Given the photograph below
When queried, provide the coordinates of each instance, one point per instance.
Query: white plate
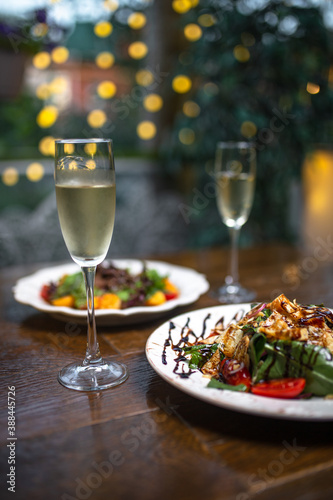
(196, 383)
(190, 283)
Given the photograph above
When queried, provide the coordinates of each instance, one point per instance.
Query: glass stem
(234, 234)
(93, 354)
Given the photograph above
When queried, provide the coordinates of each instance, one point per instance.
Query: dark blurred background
(167, 80)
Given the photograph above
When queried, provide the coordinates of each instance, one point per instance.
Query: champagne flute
(235, 172)
(86, 197)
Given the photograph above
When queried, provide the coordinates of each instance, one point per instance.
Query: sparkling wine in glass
(86, 200)
(235, 173)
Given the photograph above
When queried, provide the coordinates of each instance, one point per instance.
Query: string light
(111, 5)
(41, 60)
(248, 129)
(103, 29)
(40, 30)
(192, 32)
(96, 118)
(10, 176)
(241, 53)
(191, 109)
(104, 60)
(153, 103)
(137, 50)
(47, 146)
(181, 84)
(206, 20)
(106, 89)
(146, 130)
(312, 88)
(181, 6)
(43, 91)
(136, 20)
(58, 85)
(144, 77)
(186, 136)
(69, 148)
(35, 172)
(47, 116)
(90, 148)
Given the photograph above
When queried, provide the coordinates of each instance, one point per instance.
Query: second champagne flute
(235, 172)
(86, 198)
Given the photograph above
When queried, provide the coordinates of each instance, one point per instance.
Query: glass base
(233, 294)
(93, 377)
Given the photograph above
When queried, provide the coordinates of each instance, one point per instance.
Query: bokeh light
(144, 77)
(10, 176)
(181, 6)
(90, 148)
(58, 85)
(241, 53)
(248, 39)
(146, 130)
(106, 89)
(69, 148)
(186, 136)
(72, 165)
(181, 84)
(40, 30)
(192, 32)
(312, 88)
(35, 172)
(41, 60)
(104, 60)
(137, 50)
(153, 103)
(103, 29)
(47, 146)
(111, 5)
(248, 129)
(96, 118)
(206, 20)
(137, 20)
(43, 91)
(47, 116)
(210, 88)
(60, 55)
(91, 164)
(191, 109)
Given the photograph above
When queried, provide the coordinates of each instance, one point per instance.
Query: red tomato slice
(280, 388)
(45, 292)
(235, 372)
(170, 295)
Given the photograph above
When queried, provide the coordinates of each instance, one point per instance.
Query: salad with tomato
(115, 288)
(279, 349)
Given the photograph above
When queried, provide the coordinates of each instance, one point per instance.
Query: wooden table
(145, 439)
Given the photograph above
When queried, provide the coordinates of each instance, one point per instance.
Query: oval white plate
(196, 384)
(191, 285)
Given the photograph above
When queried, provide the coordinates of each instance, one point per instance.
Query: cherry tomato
(280, 388)
(235, 372)
(170, 295)
(45, 292)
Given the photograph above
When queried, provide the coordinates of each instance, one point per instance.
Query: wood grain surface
(145, 439)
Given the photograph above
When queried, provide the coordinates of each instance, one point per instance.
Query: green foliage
(269, 89)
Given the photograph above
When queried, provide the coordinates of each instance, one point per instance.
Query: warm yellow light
(60, 55)
(248, 39)
(58, 85)
(186, 136)
(181, 6)
(96, 118)
(137, 50)
(191, 109)
(312, 88)
(103, 29)
(153, 103)
(144, 77)
(35, 172)
(206, 20)
(241, 53)
(10, 176)
(46, 146)
(72, 165)
(192, 32)
(137, 20)
(181, 84)
(43, 91)
(91, 164)
(106, 89)
(90, 148)
(40, 29)
(104, 60)
(111, 5)
(47, 116)
(41, 60)
(69, 148)
(146, 130)
(248, 129)
(194, 3)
